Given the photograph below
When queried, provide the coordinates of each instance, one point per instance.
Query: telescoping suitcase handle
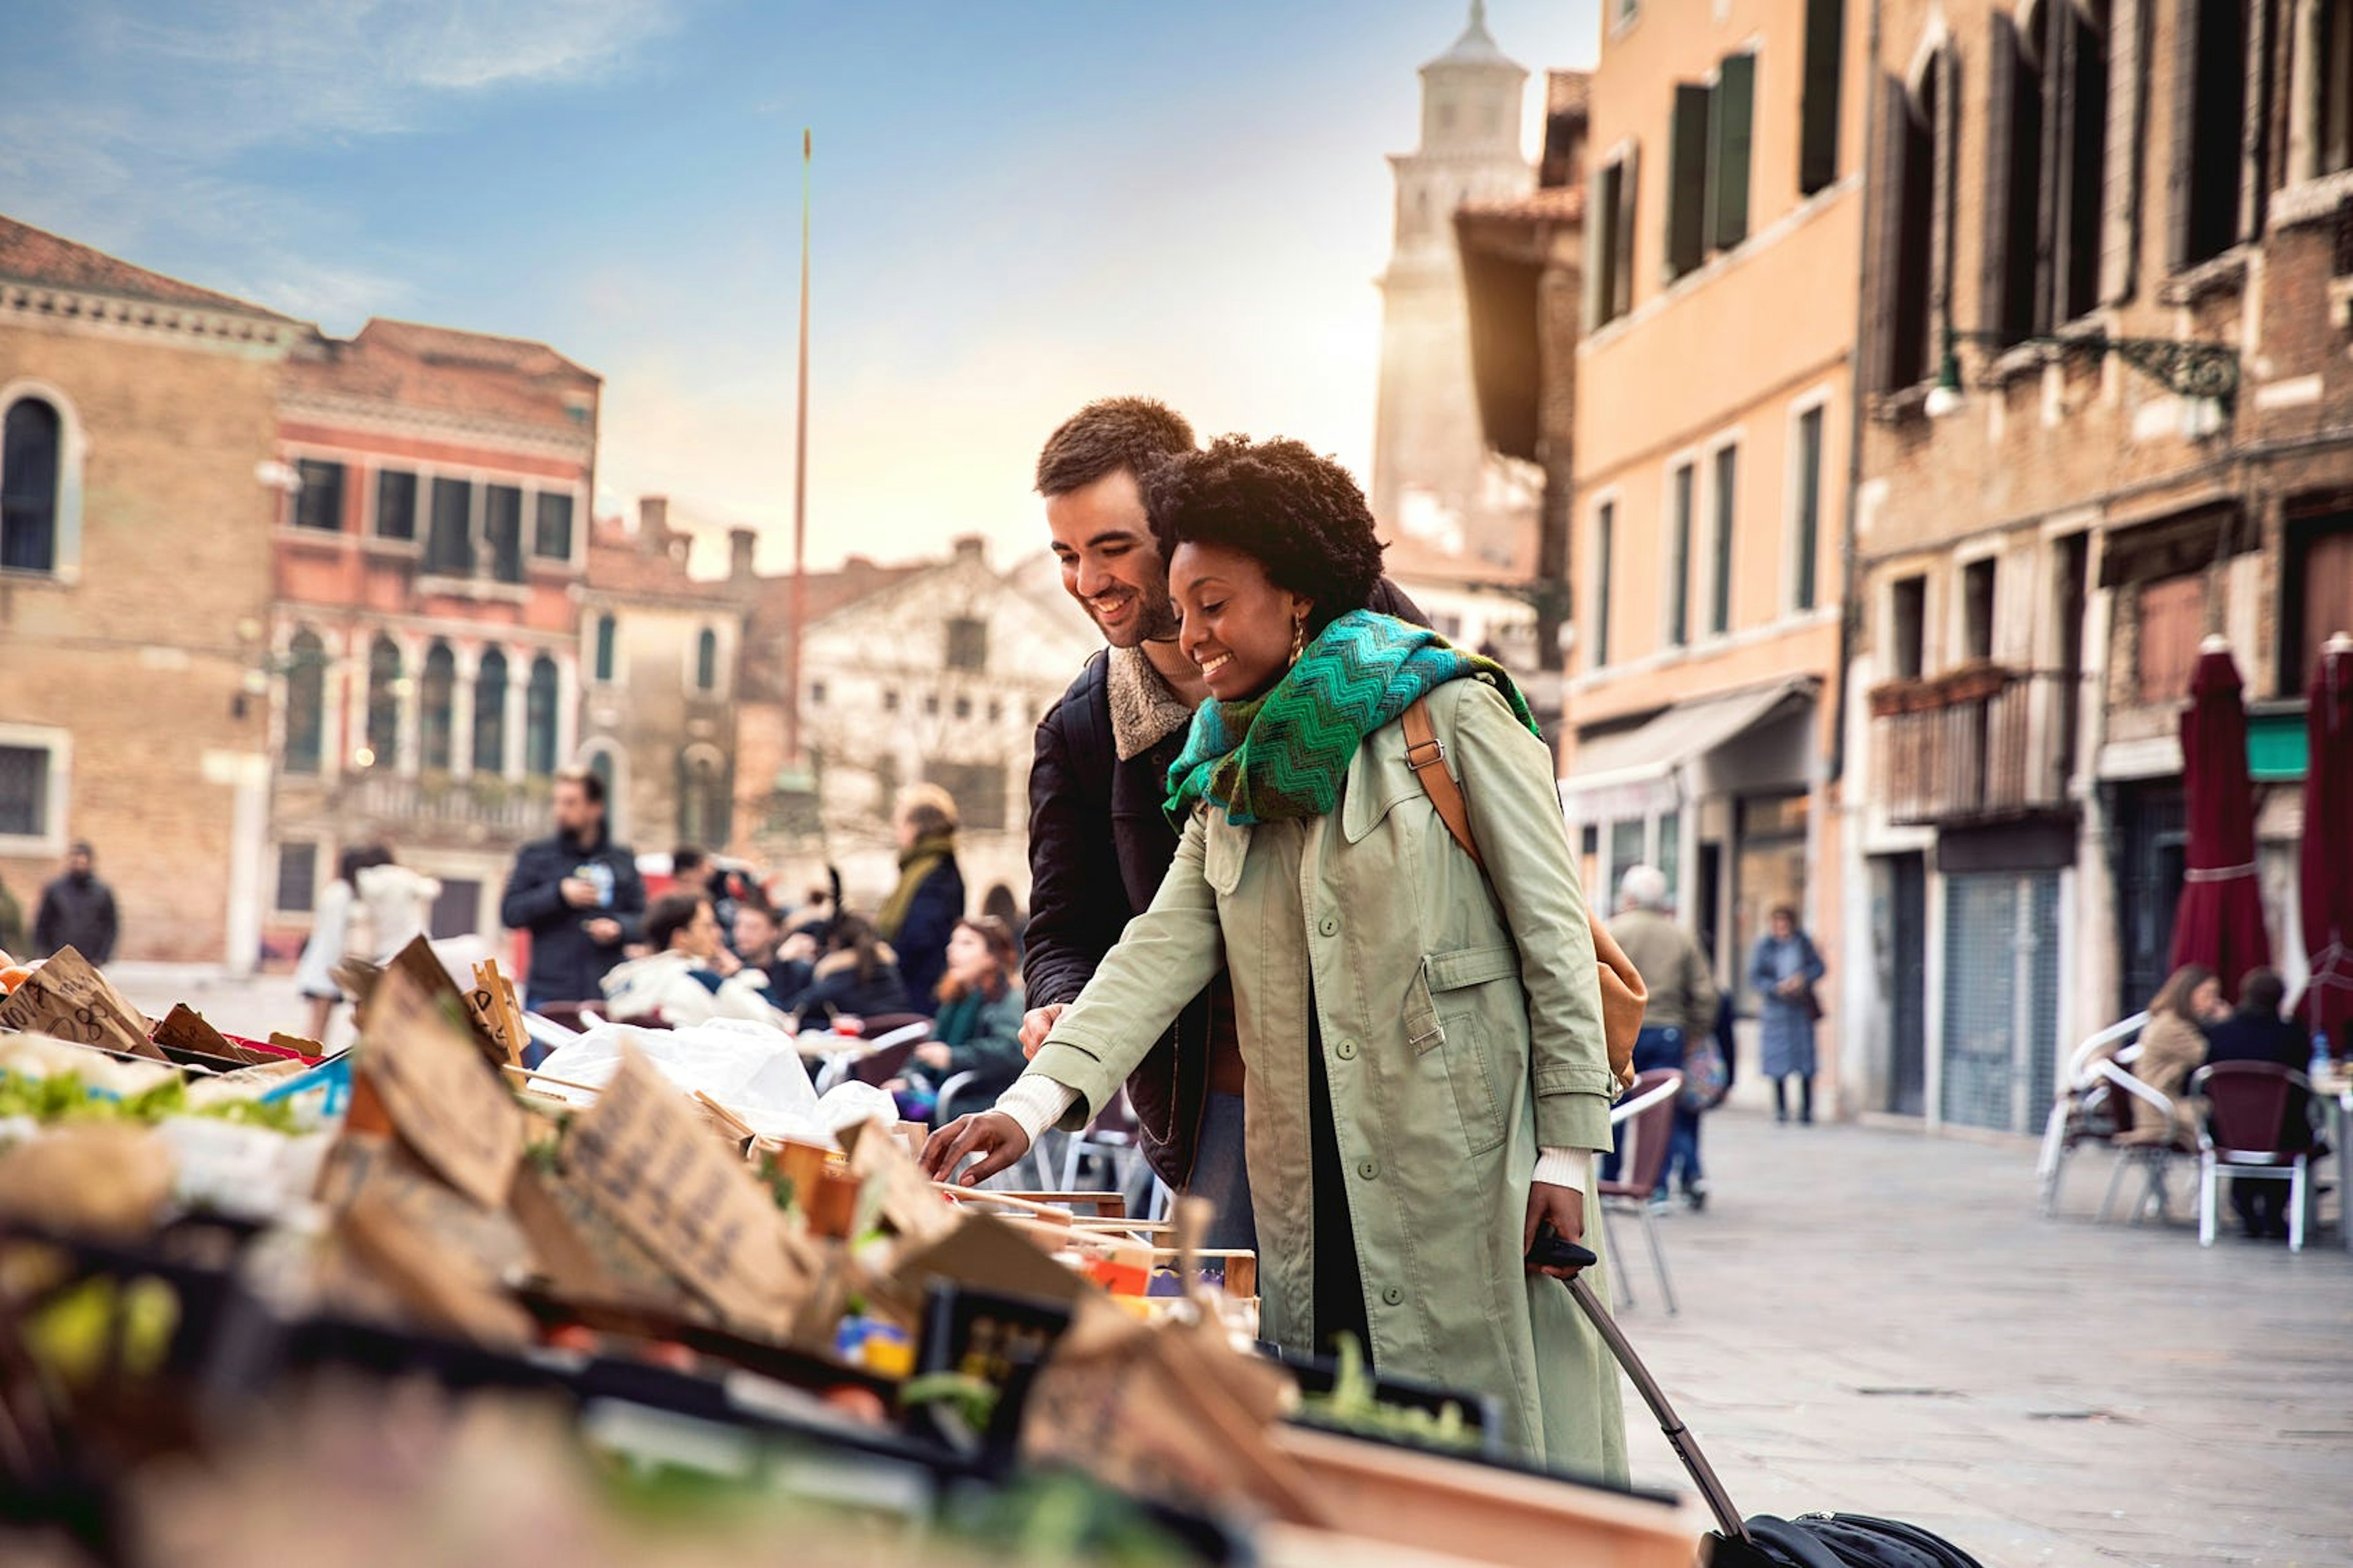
(1702, 1475)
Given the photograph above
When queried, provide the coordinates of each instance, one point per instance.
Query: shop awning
(1650, 753)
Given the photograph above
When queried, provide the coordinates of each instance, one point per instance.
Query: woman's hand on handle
(992, 1140)
(1565, 1208)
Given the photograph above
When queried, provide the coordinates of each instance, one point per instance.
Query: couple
(1419, 1044)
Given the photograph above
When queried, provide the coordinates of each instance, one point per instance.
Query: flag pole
(799, 598)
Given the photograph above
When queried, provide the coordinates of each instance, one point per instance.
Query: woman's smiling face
(1238, 627)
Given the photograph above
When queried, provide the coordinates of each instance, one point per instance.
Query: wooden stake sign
(67, 998)
(424, 970)
(436, 1092)
(645, 1156)
(496, 1012)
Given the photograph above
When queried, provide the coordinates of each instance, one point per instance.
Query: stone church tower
(1428, 460)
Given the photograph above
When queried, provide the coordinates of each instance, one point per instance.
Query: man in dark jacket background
(77, 911)
(578, 894)
(1099, 841)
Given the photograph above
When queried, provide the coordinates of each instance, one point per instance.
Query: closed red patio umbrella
(2220, 922)
(2327, 872)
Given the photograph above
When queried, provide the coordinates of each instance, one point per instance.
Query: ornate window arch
(41, 448)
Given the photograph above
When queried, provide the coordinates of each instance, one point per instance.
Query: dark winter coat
(567, 965)
(835, 986)
(76, 913)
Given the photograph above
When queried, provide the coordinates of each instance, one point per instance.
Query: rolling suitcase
(1812, 1541)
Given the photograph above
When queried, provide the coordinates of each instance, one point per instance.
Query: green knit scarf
(1283, 754)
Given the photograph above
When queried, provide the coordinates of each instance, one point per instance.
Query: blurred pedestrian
(858, 978)
(77, 911)
(1679, 1016)
(372, 909)
(1783, 971)
(12, 925)
(2173, 1045)
(578, 894)
(923, 908)
(689, 977)
(759, 939)
(815, 913)
(978, 1028)
(2255, 1032)
(999, 905)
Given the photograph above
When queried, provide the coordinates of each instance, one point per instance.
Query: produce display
(652, 1299)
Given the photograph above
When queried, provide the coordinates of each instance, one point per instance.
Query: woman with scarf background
(922, 911)
(1427, 1078)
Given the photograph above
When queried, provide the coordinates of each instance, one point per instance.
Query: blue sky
(1020, 206)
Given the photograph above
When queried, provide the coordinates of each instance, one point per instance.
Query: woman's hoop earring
(1298, 639)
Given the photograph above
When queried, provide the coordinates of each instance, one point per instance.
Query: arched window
(31, 462)
(706, 661)
(600, 763)
(703, 817)
(382, 705)
(539, 718)
(436, 700)
(606, 631)
(306, 704)
(491, 714)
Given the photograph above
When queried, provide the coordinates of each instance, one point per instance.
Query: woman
(2172, 1047)
(689, 977)
(858, 976)
(1423, 1046)
(1783, 971)
(929, 900)
(978, 1027)
(1000, 904)
(374, 903)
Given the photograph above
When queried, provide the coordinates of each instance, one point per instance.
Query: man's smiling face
(1110, 564)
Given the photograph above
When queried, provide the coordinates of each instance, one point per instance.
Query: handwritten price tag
(644, 1158)
(68, 999)
(431, 1080)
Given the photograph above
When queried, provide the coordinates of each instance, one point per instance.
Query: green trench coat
(1461, 1028)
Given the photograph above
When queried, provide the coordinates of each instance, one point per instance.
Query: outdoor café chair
(2247, 1111)
(1648, 1114)
(2153, 1159)
(2088, 1112)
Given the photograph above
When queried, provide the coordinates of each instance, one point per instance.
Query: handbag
(1809, 1003)
(1706, 1076)
(1623, 993)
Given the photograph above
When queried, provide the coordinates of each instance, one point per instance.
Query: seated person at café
(858, 978)
(2173, 1046)
(978, 1027)
(689, 977)
(2256, 1033)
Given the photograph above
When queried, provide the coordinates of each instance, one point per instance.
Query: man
(2256, 1032)
(1681, 1009)
(689, 977)
(1099, 842)
(760, 943)
(77, 911)
(578, 894)
(694, 871)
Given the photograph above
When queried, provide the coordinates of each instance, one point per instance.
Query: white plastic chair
(2153, 1160)
(2254, 1159)
(1632, 1162)
(2066, 1127)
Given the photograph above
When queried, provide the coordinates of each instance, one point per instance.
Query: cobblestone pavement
(1876, 1321)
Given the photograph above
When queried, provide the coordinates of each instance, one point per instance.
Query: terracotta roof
(619, 562)
(450, 371)
(35, 256)
(1566, 90)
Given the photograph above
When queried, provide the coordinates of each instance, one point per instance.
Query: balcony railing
(495, 806)
(1983, 744)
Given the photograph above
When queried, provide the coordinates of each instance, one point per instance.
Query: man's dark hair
(82, 847)
(1297, 514)
(1137, 434)
(592, 785)
(687, 857)
(672, 913)
(2261, 993)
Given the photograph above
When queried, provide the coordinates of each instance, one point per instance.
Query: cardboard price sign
(431, 1080)
(644, 1157)
(68, 999)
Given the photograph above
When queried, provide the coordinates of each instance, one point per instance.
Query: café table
(2335, 1093)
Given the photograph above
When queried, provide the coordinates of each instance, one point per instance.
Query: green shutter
(1736, 107)
(1687, 181)
(1818, 115)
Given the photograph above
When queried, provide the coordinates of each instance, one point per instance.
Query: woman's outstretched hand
(1564, 1208)
(994, 1137)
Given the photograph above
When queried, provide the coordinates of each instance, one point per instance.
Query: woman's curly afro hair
(1298, 515)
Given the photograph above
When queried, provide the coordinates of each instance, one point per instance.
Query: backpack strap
(1425, 753)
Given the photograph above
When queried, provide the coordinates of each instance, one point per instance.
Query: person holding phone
(578, 894)
(1422, 1039)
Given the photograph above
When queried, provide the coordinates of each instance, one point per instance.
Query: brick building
(426, 570)
(134, 590)
(1714, 416)
(2038, 565)
(660, 654)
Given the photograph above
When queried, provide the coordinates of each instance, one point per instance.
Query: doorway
(1900, 939)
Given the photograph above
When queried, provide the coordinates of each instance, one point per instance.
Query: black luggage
(1810, 1540)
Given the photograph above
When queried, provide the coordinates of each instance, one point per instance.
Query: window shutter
(1621, 265)
(2182, 170)
(2002, 127)
(2120, 198)
(1817, 116)
(1727, 186)
(1887, 211)
(1600, 207)
(1946, 222)
(1687, 158)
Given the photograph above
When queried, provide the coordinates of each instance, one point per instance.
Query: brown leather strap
(1426, 755)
